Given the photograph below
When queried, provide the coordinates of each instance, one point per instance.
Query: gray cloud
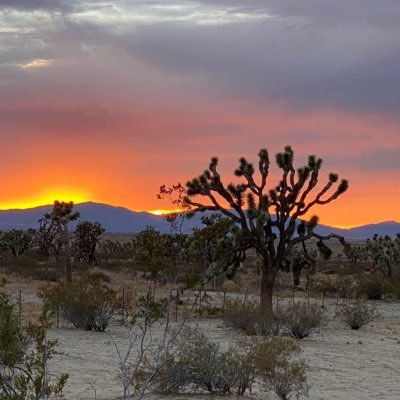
(307, 54)
(53, 5)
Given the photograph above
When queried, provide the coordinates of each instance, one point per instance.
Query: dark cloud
(305, 54)
(53, 5)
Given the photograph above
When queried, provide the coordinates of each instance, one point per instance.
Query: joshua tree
(86, 239)
(270, 221)
(215, 247)
(17, 241)
(354, 253)
(62, 215)
(47, 238)
(384, 252)
(301, 259)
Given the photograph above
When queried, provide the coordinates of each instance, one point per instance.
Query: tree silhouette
(86, 239)
(270, 221)
(62, 215)
(47, 237)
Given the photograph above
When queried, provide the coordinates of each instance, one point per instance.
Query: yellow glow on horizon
(47, 197)
(163, 212)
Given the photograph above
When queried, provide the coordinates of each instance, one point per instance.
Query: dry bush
(86, 302)
(276, 361)
(358, 314)
(300, 320)
(199, 363)
(373, 288)
(248, 317)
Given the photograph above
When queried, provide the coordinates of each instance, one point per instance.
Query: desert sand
(343, 364)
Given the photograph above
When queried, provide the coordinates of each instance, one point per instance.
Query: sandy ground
(343, 364)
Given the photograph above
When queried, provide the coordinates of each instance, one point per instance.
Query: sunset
(109, 101)
(199, 198)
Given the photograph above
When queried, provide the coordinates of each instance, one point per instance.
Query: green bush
(86, 302)
(24, 356)
(358, 314)
(300, 320)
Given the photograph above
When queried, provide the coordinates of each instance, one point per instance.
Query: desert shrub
(86, 302)
(24, 356)
(13, 344)
(372, 288)
(200, 364)
(101, 276)
(249, 318)
(29, 266)
(392, 286)
(276, 362)
(358, 314)
(300, 320)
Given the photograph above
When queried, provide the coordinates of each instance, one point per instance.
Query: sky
(108, 100)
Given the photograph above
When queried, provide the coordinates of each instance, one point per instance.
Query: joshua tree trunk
(64, 233)
(266, 292)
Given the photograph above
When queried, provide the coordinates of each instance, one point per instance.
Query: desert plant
(373, 288)
(261, 211)
(86, 238)
(144, 356)
(24, 356)
(17, 241)
(200, 363)
(86, 302)
(358, 314)
(300, 320)
(47, 237)
(276, 361)
(61, 215)
(249, 318)
(384, 252)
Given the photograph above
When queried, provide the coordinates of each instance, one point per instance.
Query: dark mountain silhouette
(122, 220)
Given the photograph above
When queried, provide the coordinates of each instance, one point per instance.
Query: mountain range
(122, 220)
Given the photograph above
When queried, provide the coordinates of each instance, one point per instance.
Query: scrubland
(341, 363)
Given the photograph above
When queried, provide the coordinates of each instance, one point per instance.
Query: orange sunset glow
(125, 99)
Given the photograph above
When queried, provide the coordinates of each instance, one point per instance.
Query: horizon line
(160, 213)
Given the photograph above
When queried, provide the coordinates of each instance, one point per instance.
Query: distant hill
(121, 220)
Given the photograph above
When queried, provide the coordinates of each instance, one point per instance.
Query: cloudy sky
(107, 100)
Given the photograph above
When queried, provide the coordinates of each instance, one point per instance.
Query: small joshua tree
(47, 237)
(384, 252)
(268, 219)
(86, 237)
(62, 215)
(17, 241)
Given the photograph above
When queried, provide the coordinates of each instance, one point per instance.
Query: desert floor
(343, 364)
